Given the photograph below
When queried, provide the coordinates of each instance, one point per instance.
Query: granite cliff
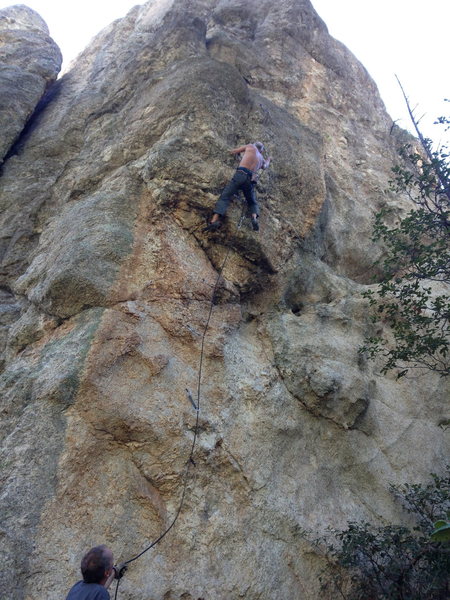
(107, 281)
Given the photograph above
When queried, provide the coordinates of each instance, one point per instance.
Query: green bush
(395, 562)
(417, 253)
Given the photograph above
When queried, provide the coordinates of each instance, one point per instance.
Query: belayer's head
(96, 565)
(259, 145)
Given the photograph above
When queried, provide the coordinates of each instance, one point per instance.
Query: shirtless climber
(98, 572)
(245, 179)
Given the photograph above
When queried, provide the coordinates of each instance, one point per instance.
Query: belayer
(245, 179)
(98, 572)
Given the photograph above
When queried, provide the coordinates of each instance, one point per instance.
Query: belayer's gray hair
(259, 145)
(95, 563)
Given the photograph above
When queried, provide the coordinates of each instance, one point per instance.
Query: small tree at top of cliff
(410, 297)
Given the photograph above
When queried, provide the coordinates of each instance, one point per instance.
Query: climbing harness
(120, 570)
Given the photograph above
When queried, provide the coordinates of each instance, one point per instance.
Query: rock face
(29, 62)
(108, 282)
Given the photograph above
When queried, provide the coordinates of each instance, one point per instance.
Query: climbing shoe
(213, 226)
(255, 224)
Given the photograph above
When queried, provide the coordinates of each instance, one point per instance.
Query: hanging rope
(190, 462)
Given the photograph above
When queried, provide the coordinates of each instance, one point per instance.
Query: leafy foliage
(417, 254)
(394, 562)
(441, 531)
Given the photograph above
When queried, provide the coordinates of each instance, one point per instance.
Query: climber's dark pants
(242, 180)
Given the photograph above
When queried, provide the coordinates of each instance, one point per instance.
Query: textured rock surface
(107, 287)
(29, 62)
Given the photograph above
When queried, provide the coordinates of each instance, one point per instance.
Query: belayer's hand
(119, 571)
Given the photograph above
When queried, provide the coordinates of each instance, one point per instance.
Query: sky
(407, 38)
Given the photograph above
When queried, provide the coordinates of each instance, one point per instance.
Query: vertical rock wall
(30, 61)
(107, 284)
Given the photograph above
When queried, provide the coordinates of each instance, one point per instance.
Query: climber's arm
(266, 163)
(238, 150)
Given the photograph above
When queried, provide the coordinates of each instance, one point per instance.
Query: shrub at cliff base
(394, 562)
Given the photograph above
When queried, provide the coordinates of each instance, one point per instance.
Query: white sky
(404, 37)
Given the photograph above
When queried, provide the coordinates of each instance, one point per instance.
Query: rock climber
(98, 572)
(245, 179)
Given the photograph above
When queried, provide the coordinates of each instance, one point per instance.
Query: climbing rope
(123, 566)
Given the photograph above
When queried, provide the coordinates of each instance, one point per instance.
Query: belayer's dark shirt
(88, 591)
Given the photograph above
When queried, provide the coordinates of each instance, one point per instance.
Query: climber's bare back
(252, 158)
